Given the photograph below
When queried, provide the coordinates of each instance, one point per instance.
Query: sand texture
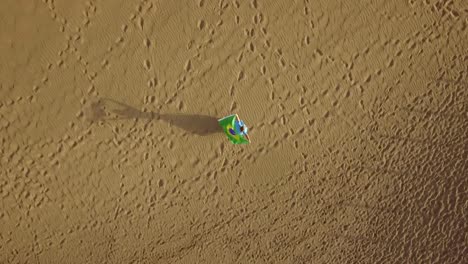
(110, 151)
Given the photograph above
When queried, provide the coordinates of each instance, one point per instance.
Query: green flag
(234, 134)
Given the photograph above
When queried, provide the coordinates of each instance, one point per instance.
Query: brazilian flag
(234, 129)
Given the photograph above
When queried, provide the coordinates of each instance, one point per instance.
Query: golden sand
(110, 150)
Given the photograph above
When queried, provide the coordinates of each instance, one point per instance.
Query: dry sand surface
(111, 152)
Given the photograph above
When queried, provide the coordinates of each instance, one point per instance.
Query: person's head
(241, 128)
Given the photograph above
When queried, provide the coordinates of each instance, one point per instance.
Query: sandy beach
(110, 150)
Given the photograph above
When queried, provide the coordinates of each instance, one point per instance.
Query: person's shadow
(108, 109)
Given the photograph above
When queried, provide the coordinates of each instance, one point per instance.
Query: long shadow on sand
(106, 109)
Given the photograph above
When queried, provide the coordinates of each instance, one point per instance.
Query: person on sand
(235, 129)
(239, 128)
